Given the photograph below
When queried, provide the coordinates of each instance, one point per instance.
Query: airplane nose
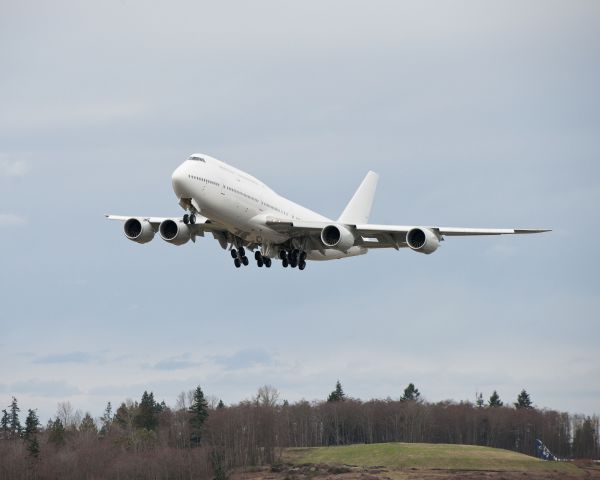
(178, 181)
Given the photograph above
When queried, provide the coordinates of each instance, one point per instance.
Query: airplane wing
(202, 224)
(387, 236)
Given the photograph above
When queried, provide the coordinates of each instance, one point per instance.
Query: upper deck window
(198, 158)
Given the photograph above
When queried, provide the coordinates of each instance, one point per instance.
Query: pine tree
(410, 394)
(146, 416)
(199, 413)
(494, 400)
(32, 424)
(523, 400)
(220, 405)
(14, 424)
(338, 394)
(4, 424)
(88, 424)
(106, 419)
(57, 432)
(479, 400)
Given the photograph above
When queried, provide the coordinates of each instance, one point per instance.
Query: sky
(480, 114)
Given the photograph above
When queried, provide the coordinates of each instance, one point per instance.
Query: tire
(284, 262)
(245, 261)
(193, 219)
(237, 263)
(233, 253)
(293, 264)
(259, 262)
(242, 252)
(186, 219)
(257, 256)
(282, 254)
(267, 261)
(302, 265)
(302, 256)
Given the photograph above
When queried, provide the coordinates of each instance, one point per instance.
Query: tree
(88, 424)
(523, 400)
(199, 414)
(220, 405)
(32, 424)
(410, 394)
(479, 400)
(267, 396)
(338, 394)
(14, 424)
(57, 431)
(146, 416)
(4, 424)
(494, 400)
(106, 419)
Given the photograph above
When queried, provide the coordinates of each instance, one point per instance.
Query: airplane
(241, 212)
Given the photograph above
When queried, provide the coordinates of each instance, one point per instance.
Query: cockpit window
(198, 158)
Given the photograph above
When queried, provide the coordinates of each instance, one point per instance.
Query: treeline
(203, 438)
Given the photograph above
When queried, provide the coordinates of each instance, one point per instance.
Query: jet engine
(338, 237)
(174, 232)
(422, 240)
(140, 231)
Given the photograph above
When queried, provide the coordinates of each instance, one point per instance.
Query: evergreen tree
(199, 413)
(479, 400)
(147, 412)
(106, 419)
(32, 424)
(14, 424)
(220, 405)
(57, 432)
(494, 400)
(4, 424)
(523, 400)
(88, 424)
(338, 394)
(410, 394)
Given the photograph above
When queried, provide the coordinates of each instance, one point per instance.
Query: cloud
(11, 220)
(180, 362)
(13, 168)
(245, 358)
(69, 357)
(43, 388)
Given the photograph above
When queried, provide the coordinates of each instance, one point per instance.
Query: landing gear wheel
(283, 254)
(293, 263)
(245, 261)
(192, 219)
(259, 262)
(242, 252)
(302, 265)
(284, 262)
(302, 256)
(186, 219)
(237, 263)
(267, 262)
(233, 253)
(257, 256)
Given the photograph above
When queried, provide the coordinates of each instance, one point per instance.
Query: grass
(425, 456)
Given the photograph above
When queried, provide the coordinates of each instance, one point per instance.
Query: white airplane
(242, 212)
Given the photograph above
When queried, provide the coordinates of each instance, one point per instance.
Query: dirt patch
(350, 472)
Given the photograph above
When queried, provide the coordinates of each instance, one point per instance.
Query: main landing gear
(262, 260)
(293, 258)
(239, 257)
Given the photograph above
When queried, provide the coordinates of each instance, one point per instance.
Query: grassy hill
(423, 456)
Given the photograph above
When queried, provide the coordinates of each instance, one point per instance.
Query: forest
(201, 437)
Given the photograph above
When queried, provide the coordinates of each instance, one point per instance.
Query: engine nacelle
(422, 240)
(338, 237)
(140, 231)
(174, 232)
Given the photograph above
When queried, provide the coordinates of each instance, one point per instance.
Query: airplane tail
(359, 207)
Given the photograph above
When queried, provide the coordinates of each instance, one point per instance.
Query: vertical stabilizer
(359, 208)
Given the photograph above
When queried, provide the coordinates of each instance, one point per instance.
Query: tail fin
(359, 207)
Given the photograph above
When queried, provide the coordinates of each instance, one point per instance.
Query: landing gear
(267, 262)
(294, 258)
(233, 253)
(302, 265)
(237, 263)
(261, 259)
(284, 262)
(239, 257)
(192, 219)
(245, 261)
(186, 219)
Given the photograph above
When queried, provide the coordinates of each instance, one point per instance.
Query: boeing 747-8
(241, 213)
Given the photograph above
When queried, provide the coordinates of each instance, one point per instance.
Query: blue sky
(474, 114)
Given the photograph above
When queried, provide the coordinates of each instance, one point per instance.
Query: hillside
(397, 460)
